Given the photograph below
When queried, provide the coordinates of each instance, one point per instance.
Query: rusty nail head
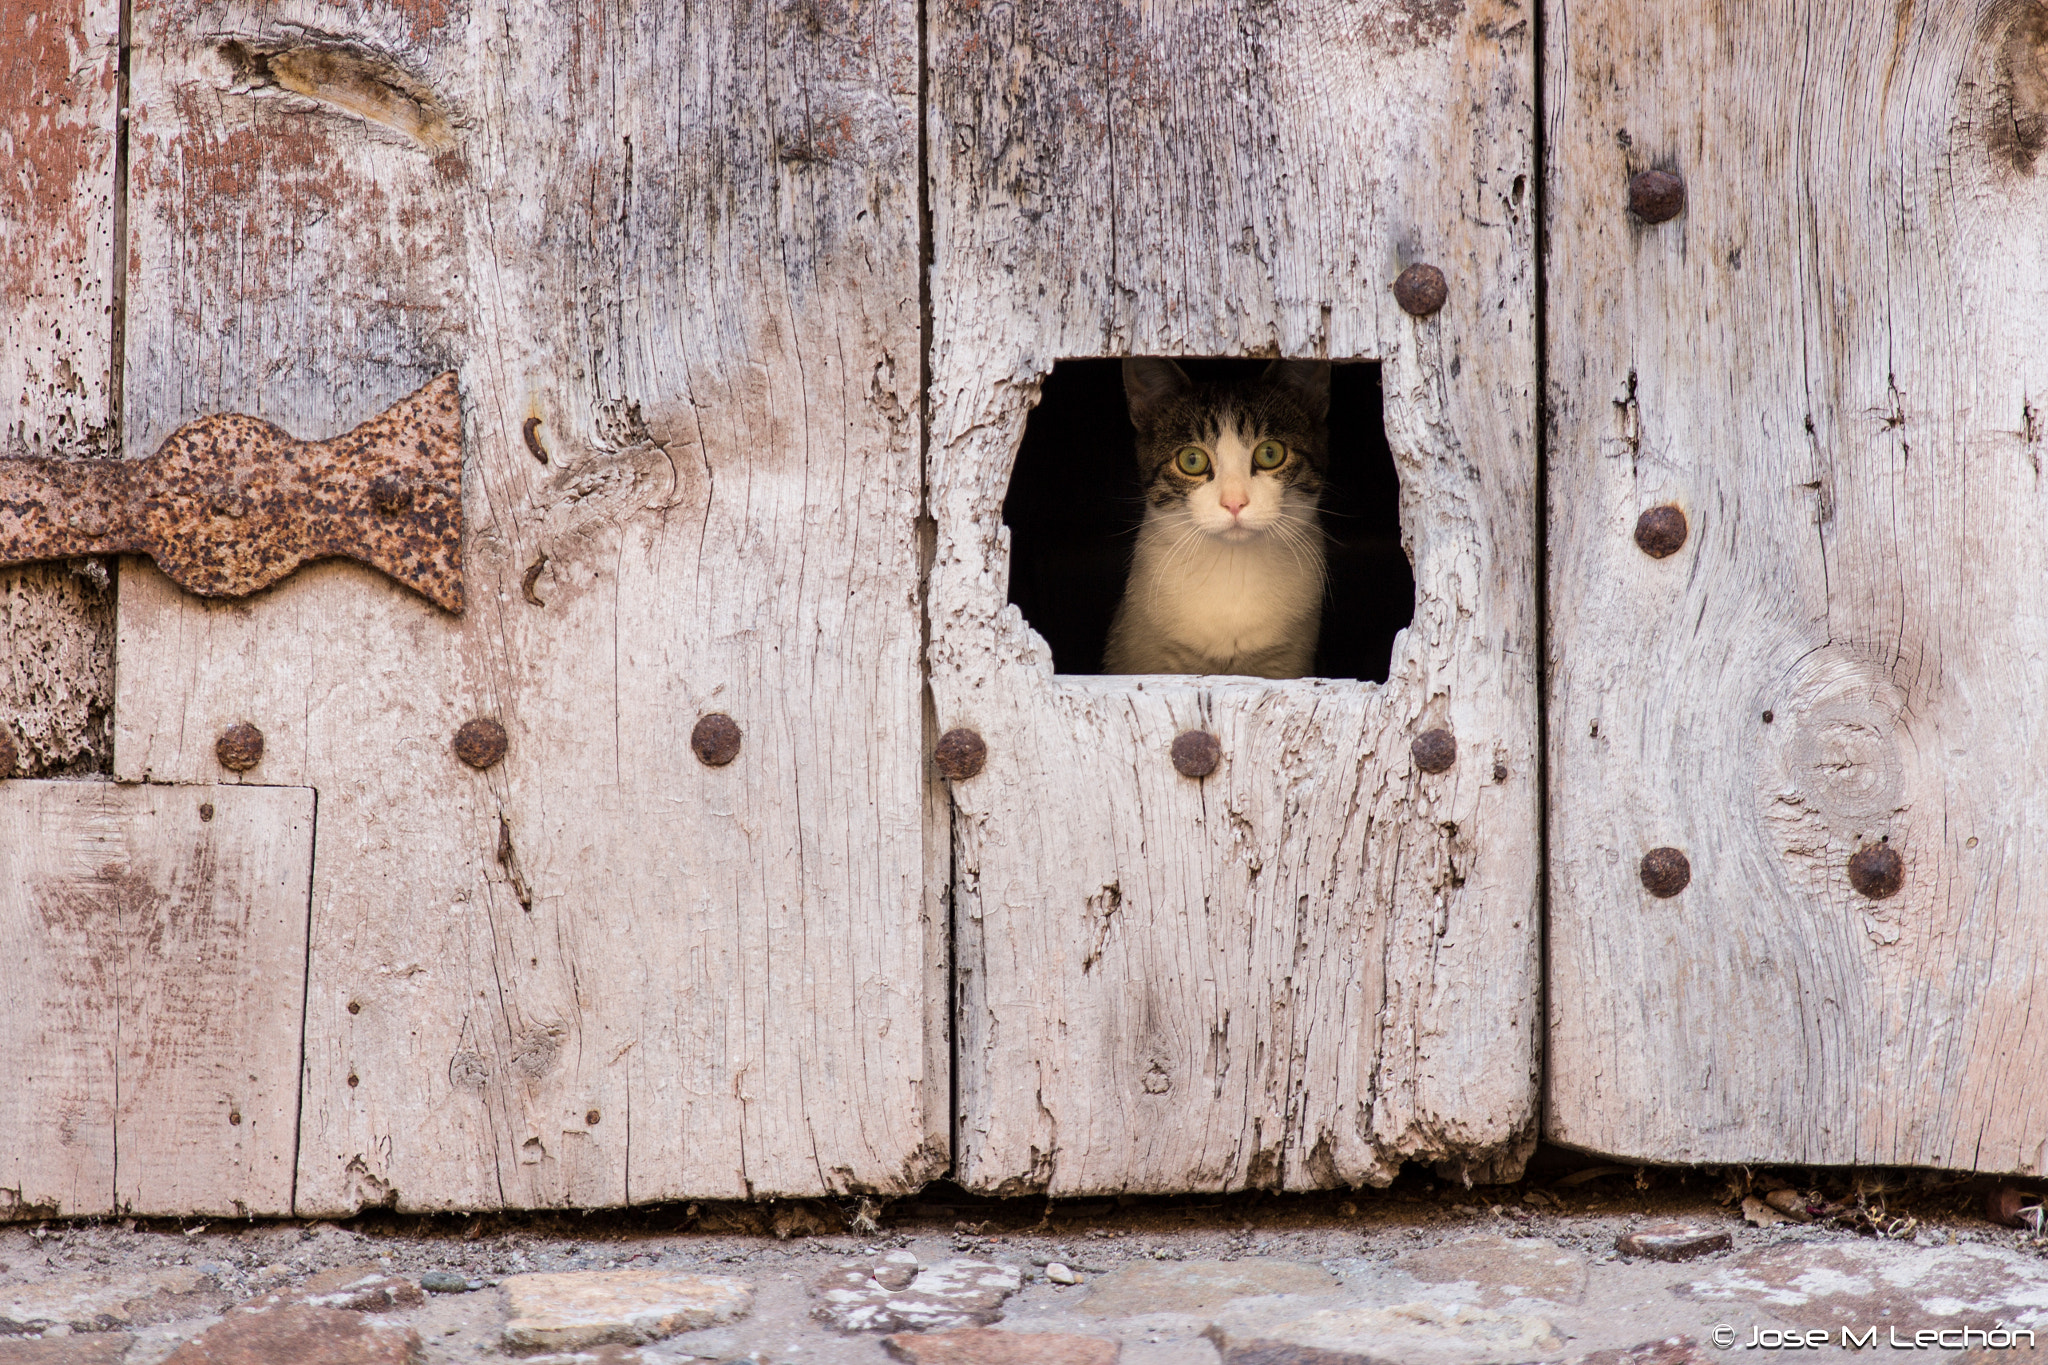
(205, 811)
(1500, 772)
(1666, 872)
(480, 743)
(531, 431)
(1196, 753)
(1877, 871)
(235, 1117)
(240, 747)
(1656, 196)
(390, 494)
(1434, 751)
(592, 1117)
(225, 500)
(10, 757)
(960, 754)
(1661, 532)
(1421, 290)
(715, 740)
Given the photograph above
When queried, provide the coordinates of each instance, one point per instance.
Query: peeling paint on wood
(57, 667)
(1833, 362)
(1317, 962)
(58, 72)
(156, 938)
(58, 75)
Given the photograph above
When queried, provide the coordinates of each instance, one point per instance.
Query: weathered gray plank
(600, 972)
(1320, 962)
(157, 937)
(59, 69)
(1833, 364)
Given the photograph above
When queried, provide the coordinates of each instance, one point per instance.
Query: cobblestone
(1426, 1274)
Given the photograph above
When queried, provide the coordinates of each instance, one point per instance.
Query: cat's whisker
(1229, 571)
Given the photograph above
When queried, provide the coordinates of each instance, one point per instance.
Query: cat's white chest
(1221, 601)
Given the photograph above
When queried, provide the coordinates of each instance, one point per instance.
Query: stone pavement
(1620, 1268)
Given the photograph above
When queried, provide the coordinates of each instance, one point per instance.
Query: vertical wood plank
(59, 73)
(212, 995)
(152, 1036)
(1833, 364)
(1320, 962)
(600, 972)
(59, 70)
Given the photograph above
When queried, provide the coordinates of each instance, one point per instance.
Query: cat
(1229, 569)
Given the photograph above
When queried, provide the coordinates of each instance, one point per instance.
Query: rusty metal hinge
(230, 503)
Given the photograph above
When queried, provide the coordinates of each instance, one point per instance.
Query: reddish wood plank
(59, 67)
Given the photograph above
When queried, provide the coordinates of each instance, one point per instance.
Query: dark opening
(1074, 506)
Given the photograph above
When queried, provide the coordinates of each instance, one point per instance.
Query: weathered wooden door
(1828, 699)
(1320, 960)
(598, 970)
(1792, 731)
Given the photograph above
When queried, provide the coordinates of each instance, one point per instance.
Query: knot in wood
(715, 739)
(1845, 760)
(1665, 872)
(1877, 871)
(1434, 751)
(480, 743)
(1421, 290)
(1661, 532)
(10, 757)
(960, 754)
(1656, 196)
(390, 494)
(1196, 753)
(240, 747)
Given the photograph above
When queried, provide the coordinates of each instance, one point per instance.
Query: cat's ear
(1307, 380)
(1151, 384)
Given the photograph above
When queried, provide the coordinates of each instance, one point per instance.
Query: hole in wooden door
(1074, 506)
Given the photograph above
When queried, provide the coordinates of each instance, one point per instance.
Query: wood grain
(1833, 363)
(599, 972)
(158, 943)
(1319, 962)
(59, 118)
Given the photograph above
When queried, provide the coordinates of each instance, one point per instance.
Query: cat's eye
(1192, 460)
(1269, 455)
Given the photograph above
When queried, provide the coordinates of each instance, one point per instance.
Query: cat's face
(1240, 462)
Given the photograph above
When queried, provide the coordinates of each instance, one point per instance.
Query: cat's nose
(1234, 500)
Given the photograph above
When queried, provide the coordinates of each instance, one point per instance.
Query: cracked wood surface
(1319, 962)
(673, 254)
(59, 68)
(1833, 363)
(158, 937)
